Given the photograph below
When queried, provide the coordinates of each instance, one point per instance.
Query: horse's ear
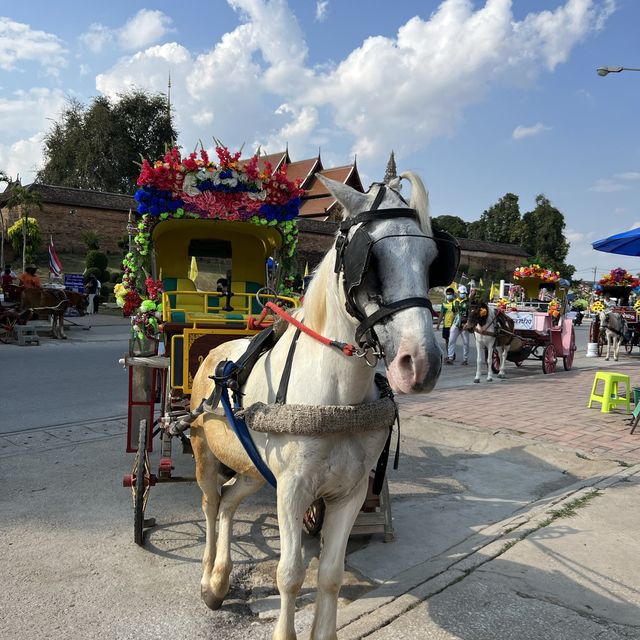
(352, 201)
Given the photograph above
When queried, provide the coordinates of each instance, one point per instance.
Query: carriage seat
(208, 307)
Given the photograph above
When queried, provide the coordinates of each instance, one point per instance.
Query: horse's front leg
(479, 352)
(503, 362)
(233, 493)
(490, 360)
(207, 478)
(293, 501)
(61, 333)
(608, 347)
(616, 347)
(338, 522)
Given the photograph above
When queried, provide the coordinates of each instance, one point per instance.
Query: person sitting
(222, 286)
(29, 279)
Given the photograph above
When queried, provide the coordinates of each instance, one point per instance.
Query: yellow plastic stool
(611, 397)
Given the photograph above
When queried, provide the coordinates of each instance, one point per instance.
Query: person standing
(7, 277)
(461, 312)
(90, 288)
(446, 317)
(96, 298)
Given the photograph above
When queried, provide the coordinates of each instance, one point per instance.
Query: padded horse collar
(353, 256)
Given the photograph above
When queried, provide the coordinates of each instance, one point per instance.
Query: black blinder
(355, 260)
(443, 269)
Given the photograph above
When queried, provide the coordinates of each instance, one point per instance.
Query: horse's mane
(419, 201)
(315, 300)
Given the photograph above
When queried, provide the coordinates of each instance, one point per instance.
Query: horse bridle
(352, 260)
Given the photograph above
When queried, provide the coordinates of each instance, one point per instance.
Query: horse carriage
(629, 316)
(21, 305)
(541, 328)
(312, 415)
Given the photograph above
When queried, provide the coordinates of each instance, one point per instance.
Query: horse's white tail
(419, 200)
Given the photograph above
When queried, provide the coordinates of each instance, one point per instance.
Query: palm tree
(26, 200)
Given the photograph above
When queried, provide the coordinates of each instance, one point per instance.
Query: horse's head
(477, 316)
(387, 258)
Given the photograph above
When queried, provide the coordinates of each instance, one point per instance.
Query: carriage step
(26, 335)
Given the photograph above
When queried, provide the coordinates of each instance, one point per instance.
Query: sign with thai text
(74, 282)
(521, 320)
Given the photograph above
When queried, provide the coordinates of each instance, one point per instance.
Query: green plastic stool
(636, 395)
(610, 397)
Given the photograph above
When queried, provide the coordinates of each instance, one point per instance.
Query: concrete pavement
(485, 544)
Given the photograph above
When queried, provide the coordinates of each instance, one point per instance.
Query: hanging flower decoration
(501, 304)
(554, 308)
(597, 306)
(536, 271)
(196, 187)
(636, 305)
(619, 278)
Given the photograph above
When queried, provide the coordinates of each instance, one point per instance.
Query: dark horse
(53, 302)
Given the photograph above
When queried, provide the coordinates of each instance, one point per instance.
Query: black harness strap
(281, 396)
(389, 309)
(381, 467)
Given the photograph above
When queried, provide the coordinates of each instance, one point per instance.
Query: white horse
(491, 330)
(335, 467)
(614, 327)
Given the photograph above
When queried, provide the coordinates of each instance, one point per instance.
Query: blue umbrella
(625, 244)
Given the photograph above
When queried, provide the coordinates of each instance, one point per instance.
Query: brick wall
(67, 228)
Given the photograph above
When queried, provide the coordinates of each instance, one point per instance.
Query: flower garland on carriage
(619, 278)
(194, 186)
(536, 271)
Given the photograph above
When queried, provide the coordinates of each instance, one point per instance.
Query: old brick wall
(66, 226)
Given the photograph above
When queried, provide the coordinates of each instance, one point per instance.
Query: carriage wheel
(142, 481)
(549, 359)
(567, 361)
(628, 347)
(7, 322)
(495, 361)
(314, 517)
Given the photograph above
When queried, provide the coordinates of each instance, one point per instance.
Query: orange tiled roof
(303, 170)
(317, 207)
(275, 159)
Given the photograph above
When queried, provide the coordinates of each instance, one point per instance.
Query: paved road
(67, 522)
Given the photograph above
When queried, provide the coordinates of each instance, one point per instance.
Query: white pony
(491, 330)
(334, 466)
(614, 327)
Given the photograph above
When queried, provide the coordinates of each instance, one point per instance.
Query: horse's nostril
(406, 362)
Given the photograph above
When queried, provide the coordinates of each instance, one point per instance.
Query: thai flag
(54, 262)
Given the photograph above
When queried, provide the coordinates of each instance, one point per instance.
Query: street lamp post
(604, 71)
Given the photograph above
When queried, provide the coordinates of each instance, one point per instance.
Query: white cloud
(20, 43)
(526, 132)
(97, 38)
(395, 92)
(629, 175)
(22, 157)
(145, 28)
(321, 10)
(606, 185)
(27, 111)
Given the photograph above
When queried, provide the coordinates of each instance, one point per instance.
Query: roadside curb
(407, 590)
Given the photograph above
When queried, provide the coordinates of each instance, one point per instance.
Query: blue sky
(480, 98)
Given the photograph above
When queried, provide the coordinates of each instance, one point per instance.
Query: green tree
(544, 236)
(34, 239)
(456, 226)
(502, 222)
(475, 230)
(99, 146)
(26, 200)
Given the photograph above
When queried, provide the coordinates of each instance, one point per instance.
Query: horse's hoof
(502, 375)
(477, 380)
(210, 599)
(489, 379)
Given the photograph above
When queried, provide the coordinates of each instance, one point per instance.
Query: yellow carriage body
(195, 314)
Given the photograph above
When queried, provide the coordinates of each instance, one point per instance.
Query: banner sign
(74, 282)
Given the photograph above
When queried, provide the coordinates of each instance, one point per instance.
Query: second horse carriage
(542, 330)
